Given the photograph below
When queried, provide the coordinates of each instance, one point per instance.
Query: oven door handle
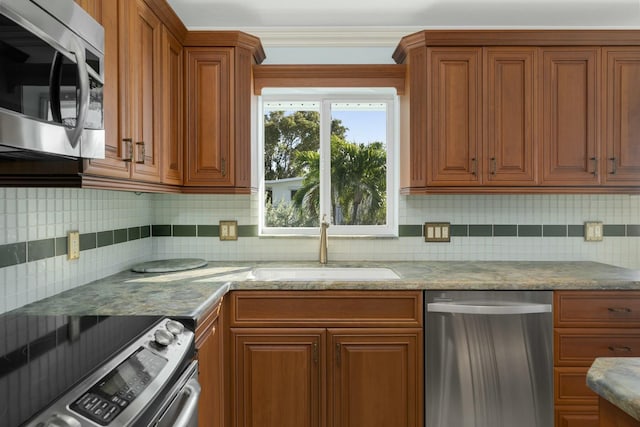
(190, 408)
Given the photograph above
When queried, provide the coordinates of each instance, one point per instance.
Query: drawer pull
(620, 349)
(619, 310)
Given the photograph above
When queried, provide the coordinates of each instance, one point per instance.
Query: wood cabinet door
(172, 108)
(454, 112)
(622, 137)
(570, 97)
(509, 116)
(210, 370)
(278, 377)
(106, 13)
(209, 149)
(143, 79)
(612, 416)
(375, 378)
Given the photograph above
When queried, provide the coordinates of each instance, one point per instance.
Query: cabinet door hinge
(315, 352)
(338, 354)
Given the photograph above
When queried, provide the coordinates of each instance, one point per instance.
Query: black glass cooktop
(43, 356)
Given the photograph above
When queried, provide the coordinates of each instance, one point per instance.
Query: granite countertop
(190, 293)
(617, 379)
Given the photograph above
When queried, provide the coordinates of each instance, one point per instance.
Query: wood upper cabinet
(510, 137)
(481, 116)
(454, 115)
(141, 39)
(570, 111)
(143, 95)
(373, 378)
(520, 111)
(279, 377)
(209, 148)
(219, 91)
(622, 119)
(172, 109)
(107, 13)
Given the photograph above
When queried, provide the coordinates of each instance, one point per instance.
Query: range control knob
(163, 337)
(175, 327)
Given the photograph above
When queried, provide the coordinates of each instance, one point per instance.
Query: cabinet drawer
(577, 416)
(326, 308)
(579, 347)
(620, 309)
(571, 387)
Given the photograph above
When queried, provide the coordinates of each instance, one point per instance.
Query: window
(328, 156)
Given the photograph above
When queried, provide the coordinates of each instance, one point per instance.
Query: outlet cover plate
(73, 245)
(228, 230)
(437, 232)
(593, 231)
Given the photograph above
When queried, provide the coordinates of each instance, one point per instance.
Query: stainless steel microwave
(51, 80)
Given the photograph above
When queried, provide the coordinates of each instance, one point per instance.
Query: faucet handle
(324, 221)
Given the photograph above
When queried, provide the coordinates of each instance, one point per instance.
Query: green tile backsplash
(18, 253)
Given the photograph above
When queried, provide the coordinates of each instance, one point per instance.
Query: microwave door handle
(83, 77)
(190, 408)
(55, 78)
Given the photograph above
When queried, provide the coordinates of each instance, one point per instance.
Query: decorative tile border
(19, 253)
(525, 230)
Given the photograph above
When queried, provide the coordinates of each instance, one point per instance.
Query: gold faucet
(323, 239)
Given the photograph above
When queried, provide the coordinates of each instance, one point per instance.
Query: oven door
(179, 407)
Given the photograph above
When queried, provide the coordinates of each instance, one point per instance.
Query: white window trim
(325, 97)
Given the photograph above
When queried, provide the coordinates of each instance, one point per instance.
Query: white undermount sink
(314, 274)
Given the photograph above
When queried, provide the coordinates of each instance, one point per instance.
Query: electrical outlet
(437, 232)
(593, 231)
(73, 245)
(228, 230)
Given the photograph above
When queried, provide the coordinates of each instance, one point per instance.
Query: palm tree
(358, 182)
(358, 185)
(307, 198)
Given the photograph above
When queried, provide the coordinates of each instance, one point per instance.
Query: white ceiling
(375, 23)
(271, 14)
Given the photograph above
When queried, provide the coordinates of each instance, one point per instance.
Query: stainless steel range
(97, 371)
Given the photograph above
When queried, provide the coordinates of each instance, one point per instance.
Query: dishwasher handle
(499, 308)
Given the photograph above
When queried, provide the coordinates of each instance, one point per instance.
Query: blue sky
(364, 126)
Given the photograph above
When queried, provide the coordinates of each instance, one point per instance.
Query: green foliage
(284, 214)
(285, 134)
(359, 185)
(358, 193)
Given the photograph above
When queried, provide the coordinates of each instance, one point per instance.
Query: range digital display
(116, 390)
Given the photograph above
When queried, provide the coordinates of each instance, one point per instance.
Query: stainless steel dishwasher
(489, 359)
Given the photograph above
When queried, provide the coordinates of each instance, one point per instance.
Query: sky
(364, 126)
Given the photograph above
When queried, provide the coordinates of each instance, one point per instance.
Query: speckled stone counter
(190, 293)
(617, 379)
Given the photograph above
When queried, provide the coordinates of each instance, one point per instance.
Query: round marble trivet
(169, 265)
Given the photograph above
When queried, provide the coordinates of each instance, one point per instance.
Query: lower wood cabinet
(577, 416)
(589, 324)
(612, 416)
(209, 346)
(331, 372)
(373, 377)
(278, 374)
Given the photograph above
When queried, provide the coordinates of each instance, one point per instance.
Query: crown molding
(326, 36)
